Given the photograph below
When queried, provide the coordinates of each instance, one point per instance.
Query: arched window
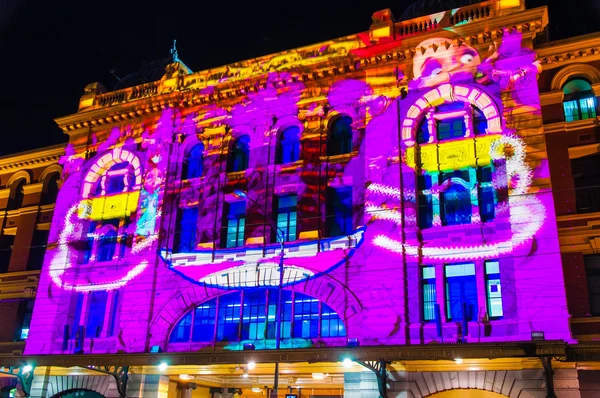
(239, 155)
(192, 165)
(15, 199)
(339, 140)
(257, 320)
(288, 145)
(456, 205)
(50, 189)
(107, 245)
(78, 393)
(579, 100)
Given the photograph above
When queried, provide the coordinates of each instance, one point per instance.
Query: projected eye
(432, 68)
(466, 59)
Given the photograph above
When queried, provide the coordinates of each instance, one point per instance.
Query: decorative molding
(576, 70)
(526, 349)
(37, 158)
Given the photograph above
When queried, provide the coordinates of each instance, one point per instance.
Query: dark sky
(50, 50)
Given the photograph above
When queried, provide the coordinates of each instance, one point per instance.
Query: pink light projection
(438, 176)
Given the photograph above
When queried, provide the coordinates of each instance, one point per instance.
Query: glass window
(288, 145)
(77, 316)
(228, 319)
(586, 178)
(113, 313)
(339, 211)
(339, 140)
(306, 317)
(423, 132)
(107, 245)
(188, 226)
(456, 205)
(493, 289)
(448, 129)
(461, 291)
(429, 293)
(240, 154)
(331, 324)
(181, 332)
(286, 216)
(579, 100)
(480, 124)
(204, 321)
(254, 315)
(96, 312)
(235, 224)
(118, 177)
(259, 313)
(592, 270)
(89, 242)
(193, 167)
(27, 311)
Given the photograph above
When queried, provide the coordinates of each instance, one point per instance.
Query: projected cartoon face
(95, 229)
(438, 64)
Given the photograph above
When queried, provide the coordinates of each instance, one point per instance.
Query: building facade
(29, 182)
(393, 188)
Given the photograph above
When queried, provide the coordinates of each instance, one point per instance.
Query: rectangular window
(6, 246)
(429, 293)
(286, 217)
(228, 322)
(181, 332)
(580, 109)
(77, 316)
(235, 224)
(96, 313)
(448, 129)
(592, 270)
(187, 225)
(38, 249)
(461, 291)
(113, 313)
(586, 178)
(26, 310)
(339, 211)
(253, 317)
(306, 317)
(204, 322)
(493, 289)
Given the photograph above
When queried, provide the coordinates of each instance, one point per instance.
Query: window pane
(456, 205)
(204, 322)
(588, 108)
(289, 145)
(429, 293)
(493, 289)
(339, 212)
(228, 317)
(194, 161)
(451, 128)
(592, 269)
(571, 110)
(461, 291)
(339, 140)
(96, 314)
(188, 227)
(181, 332)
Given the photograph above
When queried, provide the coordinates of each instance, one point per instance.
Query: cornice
(566, 127)
(35, 158)
(576, 49)
(191, 90)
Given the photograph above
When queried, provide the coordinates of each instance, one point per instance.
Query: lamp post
(281, 239)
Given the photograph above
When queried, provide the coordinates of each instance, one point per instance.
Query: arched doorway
(466, 393)
(78, 393)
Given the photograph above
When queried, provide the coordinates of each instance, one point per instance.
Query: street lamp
(281, 238)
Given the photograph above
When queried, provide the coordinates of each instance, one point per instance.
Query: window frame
(462, 286)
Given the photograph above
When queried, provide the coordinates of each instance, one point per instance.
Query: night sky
(50, 50)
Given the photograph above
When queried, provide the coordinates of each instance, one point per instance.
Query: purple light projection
(408, 161)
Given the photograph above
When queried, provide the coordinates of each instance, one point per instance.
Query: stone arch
(19, 175)
(503, 383)
(459, 92)
(57, 385)
(105, 162)
(585, 71)
(55, 168)
(323, 288)
(466, 393)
